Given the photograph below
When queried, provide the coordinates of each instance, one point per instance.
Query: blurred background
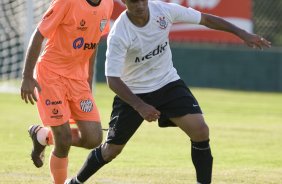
(203, 57)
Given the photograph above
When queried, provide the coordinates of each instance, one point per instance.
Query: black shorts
(173, 100)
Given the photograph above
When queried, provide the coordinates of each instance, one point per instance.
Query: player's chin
(141, 13)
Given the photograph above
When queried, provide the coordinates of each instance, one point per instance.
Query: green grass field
(246, 141)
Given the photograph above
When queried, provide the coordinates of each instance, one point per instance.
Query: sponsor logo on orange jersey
(56, 114)
(49, 102)
(82, 25)
(79, 43)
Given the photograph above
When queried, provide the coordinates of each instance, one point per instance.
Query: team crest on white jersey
(162, 22)
(103, 24)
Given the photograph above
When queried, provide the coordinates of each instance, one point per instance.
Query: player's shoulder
(62, 3)
(108, 5)
(158, 3)
(71, 1)
(108, 2)
(121, 21)
(120, 26)
(161, 7)
(157, 6)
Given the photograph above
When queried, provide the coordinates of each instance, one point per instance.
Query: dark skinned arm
(147, 111)
(218, 23)
(28, 83)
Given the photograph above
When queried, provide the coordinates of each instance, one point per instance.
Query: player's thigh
(123, 124)
(193, 125)
(82, 104)
(90, 130)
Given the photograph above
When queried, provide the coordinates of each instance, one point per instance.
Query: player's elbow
(112, 82)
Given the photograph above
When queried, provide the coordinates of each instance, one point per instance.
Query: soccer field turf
(245, 131)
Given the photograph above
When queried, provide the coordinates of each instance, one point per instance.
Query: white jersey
(141, 56)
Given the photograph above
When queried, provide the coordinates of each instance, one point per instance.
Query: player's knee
(63, 139)
(111, 155)
(92, 141)
(62, 144)
(203, 132)
(111, 152)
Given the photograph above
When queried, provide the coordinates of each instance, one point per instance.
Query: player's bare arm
(28, 82)
(218, 23)
(148, 112)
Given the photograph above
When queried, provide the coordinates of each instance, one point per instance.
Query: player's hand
(148, 112)
(256, 41)
(28, 86)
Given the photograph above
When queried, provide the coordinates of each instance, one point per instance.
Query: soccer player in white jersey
(139, 69)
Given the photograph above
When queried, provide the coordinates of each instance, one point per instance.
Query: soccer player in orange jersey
(61, 85)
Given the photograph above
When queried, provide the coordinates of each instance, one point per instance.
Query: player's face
(137, 8)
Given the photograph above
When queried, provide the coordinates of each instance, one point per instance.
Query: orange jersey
(73, 29)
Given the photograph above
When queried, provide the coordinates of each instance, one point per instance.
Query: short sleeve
(115, 56)
(53, 17)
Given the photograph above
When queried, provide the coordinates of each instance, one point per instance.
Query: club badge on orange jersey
(103, 24)
(86, 105)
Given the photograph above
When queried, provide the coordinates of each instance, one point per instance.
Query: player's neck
(139, 21)
(94, 2)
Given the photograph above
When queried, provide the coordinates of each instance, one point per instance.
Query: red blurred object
(239, 12)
